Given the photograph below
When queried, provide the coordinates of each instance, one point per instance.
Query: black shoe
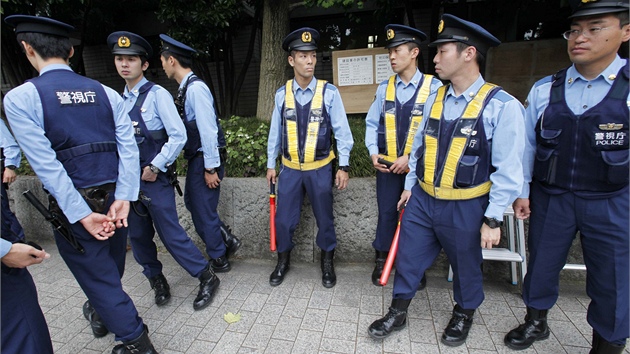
(140, 345)
(98, 327)
(379, 264)
(208, 284)
(394, 320)
(601, 346)
(221, 265)
(535, 328)
(456, 331)
(161, 288)
(329, 279)
(423, 282)
(282, 268)
(232, 243)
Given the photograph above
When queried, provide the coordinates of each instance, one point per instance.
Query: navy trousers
(11, 228)
(202, 203)
(603, 227)
(98, 271)
(429, 225)
(389, 187)
(159, 213)
(292, 185)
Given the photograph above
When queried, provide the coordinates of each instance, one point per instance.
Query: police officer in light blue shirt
(23, 324)
(464, 172)
(161, 135)
(79, 140)
(576, 158)
(306, 112)
(391, 123)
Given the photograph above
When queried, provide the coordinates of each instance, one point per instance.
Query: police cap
(123, 42)
(38, 24)
(174, 46)
(303, 39)
(399, 34)
(454, 29)
(597, 7)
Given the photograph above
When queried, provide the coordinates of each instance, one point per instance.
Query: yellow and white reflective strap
(292, 133)
(390, 118)
(431, 142)
(308, 166)
(312, 129)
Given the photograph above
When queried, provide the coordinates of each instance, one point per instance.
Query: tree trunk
(273, 59)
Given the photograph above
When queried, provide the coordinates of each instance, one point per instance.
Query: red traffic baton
(272, 217)
(389, 263)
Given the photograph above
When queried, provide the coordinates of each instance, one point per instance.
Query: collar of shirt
(135, 91)
(470, 92)
(415, 80)
(54, 67)
(608, 75)
(311, 86)
(185, 79)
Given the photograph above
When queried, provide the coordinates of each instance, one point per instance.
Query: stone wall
(244, 205)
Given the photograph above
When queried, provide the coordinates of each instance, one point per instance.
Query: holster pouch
(97, 196)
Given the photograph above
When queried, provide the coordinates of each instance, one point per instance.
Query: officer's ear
(71, 52)
(145, 65)
(291, 59)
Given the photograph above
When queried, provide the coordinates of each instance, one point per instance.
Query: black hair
(47, 45)
(481, 59)
(184, 61)
(623, 17)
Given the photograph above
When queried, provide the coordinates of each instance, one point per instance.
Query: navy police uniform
(24, 328)
(160, 135)
(464, 168)
(391, 124)
(79, 141)
(576, 158)
(302, 124)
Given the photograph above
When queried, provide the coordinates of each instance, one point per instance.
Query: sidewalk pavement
(300, 315)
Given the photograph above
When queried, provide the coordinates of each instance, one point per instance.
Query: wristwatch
(211, 171)
(344, 168)
(10, 167)
(154, 169)
(492, 222)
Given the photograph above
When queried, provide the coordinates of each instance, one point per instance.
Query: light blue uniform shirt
(5, 247)
(200, 106)
(26, 117)
(159, 112)
(336, 112)
(403, 94)
(12, 154)
(580, 94)
(503, 123)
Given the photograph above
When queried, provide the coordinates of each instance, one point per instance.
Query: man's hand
(521, 208)
(401, 165)
(212, 180)
(148, 175)
(22, 255)
(404, 198)
(118, 213)
(271, 176)
(8, 176)
(100, 226)
(379, 166)
(341, 180)
(490, 237)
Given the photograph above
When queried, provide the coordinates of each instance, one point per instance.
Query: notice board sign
(357, 73)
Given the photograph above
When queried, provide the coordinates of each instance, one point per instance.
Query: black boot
(456, 331)
(232, 243)
(329, 279)
(423, 282)
(282, 268)
(394, 320)
(140, 345)
(601, 346)
(98, 327)
(208, 284)
(535, 328)
(161, 288)
(379, 264)
(221, 264)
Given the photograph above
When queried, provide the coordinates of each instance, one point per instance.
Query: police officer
(391, 124)
(464, 172)
(23, 324)
(79, 141)
(576, 158)
(161, 135)
(205, 144)
(307, 111)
